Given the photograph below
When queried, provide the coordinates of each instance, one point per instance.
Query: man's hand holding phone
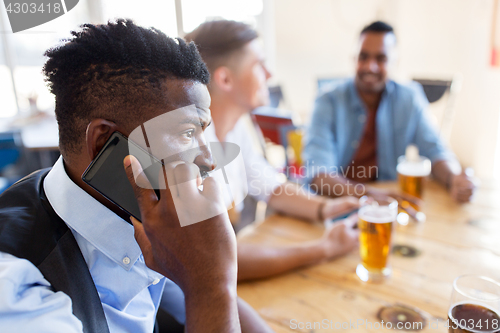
(200, 257)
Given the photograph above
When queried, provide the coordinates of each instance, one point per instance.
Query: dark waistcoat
(30, 229)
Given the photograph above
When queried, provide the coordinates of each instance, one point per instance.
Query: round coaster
(406, 251)
(402, 317)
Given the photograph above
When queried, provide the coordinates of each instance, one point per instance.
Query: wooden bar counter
(455, 240)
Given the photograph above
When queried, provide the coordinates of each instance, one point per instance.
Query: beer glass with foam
(377, 219)
(413, 170)
(475, 305)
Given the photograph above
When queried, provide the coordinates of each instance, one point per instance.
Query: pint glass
(412, 185)
(475, 305)
(377, 219)
(412, 173)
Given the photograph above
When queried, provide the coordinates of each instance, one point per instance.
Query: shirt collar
(88, 217)
(356, 103)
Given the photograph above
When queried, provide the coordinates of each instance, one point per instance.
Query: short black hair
(377, 26)
(114, 71)
(219, 39)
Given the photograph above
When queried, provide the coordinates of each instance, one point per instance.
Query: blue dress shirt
(338, 122)
(130, 292)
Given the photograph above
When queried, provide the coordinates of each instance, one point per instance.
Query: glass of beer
(377, 219)
(413, 170)
(475, 305)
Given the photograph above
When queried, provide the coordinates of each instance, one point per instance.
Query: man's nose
(268, 72)
(205, 160)
(372, 66)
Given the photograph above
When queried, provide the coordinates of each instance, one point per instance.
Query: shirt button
(155, 281)
(362, 118)
(355, 144)
(126, 260)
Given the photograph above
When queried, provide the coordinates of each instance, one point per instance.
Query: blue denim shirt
(338, 122)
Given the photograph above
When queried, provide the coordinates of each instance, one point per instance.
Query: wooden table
(455, 240)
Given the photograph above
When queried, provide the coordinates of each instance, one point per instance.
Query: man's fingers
(351, 220)
(141, 237)
(165, 190)
(349, 203)
(145, 196)
(408, 208)
(211, 188)
(336, 229)
(463, 197)
(353, 202)
(169, 177)
(466, 186)
(411, 199)
(185, 178)
(465, 191)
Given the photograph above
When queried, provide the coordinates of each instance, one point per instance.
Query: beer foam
(376, 214)
(421, 168)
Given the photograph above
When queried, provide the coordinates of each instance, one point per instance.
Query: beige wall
(437, 38)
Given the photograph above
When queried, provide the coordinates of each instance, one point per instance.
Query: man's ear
(98, 132)
(223, 78)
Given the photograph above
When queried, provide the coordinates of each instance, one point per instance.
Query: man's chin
(261, 102)
(375, 87)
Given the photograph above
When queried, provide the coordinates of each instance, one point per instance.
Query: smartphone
(107, 175)
(343, 216)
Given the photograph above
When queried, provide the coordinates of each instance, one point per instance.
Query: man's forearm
(250, 320)
(444, 170)
(258, 261)
(337, 186)
(292, 200)
(212, 310)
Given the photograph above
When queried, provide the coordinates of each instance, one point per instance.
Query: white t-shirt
(255, 175)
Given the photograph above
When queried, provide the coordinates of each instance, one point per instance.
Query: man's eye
(188, 134)
(382, 58)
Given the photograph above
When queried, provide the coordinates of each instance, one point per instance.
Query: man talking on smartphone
(68, 262)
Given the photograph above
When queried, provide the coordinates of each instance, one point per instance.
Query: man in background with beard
(367, 122)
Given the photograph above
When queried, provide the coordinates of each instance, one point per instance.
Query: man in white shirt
(235, 60)
(68, 262)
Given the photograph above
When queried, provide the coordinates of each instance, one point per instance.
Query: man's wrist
(324, 249)
(212, 308)
(317, 251)
(320, 211)
(219, 290)
(216, 283)
(449, 181)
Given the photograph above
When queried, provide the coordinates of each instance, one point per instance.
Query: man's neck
(370, 99)
(225, 115)
(74, 172)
